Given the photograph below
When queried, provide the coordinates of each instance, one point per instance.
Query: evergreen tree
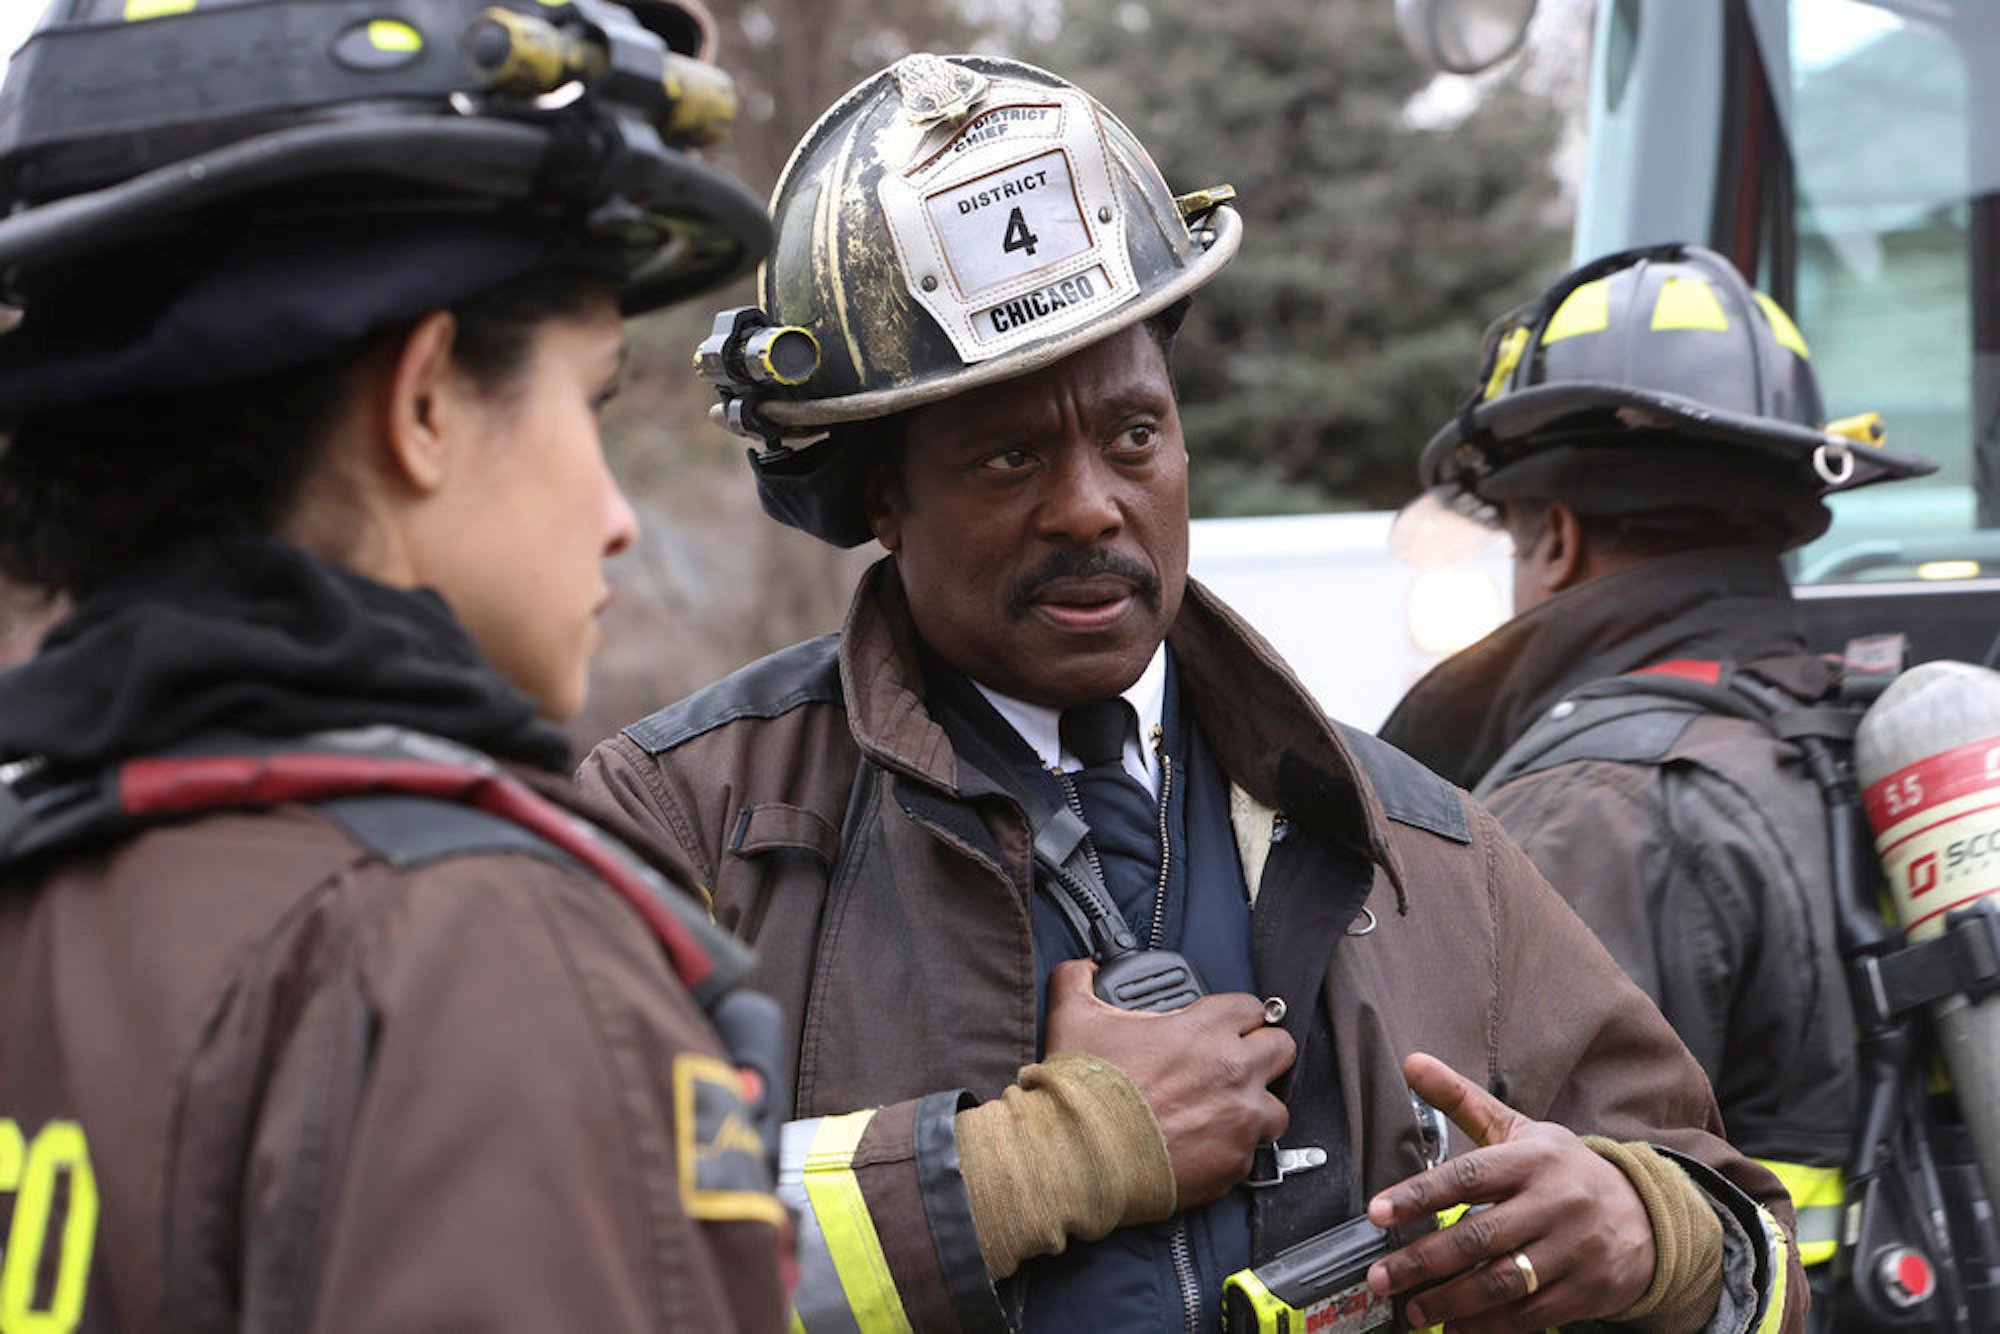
(1317, 365)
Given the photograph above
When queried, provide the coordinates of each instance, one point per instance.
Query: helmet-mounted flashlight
(524, 55)
(745, 353)
(745, 350)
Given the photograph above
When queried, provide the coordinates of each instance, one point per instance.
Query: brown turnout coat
(320, 1090)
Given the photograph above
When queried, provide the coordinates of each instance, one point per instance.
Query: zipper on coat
(1157, 936)
(1181, 1248)
(1157, 929)
(1094, 901)
(1075, 801)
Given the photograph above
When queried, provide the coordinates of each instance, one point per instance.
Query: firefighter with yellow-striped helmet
(951, 222)
(1650, 434)
(1651, 379)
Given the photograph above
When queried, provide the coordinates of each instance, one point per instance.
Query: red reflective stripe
(1933, 781)
(211, 782)
(176, 786)
(1688, 669)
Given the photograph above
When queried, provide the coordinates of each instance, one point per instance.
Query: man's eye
(1140, 437)
(1007, 460)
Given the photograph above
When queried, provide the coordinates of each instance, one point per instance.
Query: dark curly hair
(88, 493)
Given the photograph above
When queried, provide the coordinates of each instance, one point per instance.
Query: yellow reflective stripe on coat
(819, 1301)
(1817, 1195)
(1773, 1319)
(849, 1233)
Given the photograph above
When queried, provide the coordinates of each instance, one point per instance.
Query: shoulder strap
(1615, 720)
(356, 769)
(1637, 717)
(805, 673)
(408, 831)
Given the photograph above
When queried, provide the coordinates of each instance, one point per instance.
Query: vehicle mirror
(1463, 36)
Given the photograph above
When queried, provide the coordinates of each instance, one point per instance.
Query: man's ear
(426, 399)
(883, 501)
(1563, 558)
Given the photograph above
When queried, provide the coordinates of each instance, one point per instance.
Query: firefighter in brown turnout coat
(996, 839)
(322, 1006)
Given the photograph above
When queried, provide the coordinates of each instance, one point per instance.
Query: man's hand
(1575, 1217)
(1204, 1070)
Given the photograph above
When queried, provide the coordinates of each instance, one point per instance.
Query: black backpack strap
(410, 831)
(42, 813)
(1609, 720)
(1638, 717)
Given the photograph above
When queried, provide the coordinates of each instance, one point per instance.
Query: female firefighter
(320, 1008)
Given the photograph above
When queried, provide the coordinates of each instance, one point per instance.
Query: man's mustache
(1086, 564)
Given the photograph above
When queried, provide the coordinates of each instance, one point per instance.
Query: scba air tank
(1928, 757)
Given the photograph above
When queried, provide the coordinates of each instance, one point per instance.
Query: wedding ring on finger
(1527, 1268)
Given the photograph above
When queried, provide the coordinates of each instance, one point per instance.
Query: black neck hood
(252, 635)
(1726, 605)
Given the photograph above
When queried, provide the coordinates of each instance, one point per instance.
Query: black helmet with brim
(278, 212)
(1653, 378)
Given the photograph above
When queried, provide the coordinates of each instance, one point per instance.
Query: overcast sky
(16, 17)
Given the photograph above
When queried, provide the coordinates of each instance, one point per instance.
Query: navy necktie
(1121, 813)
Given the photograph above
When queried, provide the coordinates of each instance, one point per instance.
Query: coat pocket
(773, 845)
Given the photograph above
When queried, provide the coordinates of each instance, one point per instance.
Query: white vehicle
(1845, 155)
(1325, 591)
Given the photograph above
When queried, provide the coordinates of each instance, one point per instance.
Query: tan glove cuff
(1687, 1241)
(1072, 1150)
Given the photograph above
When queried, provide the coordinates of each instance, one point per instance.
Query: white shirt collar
(1041, 727)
